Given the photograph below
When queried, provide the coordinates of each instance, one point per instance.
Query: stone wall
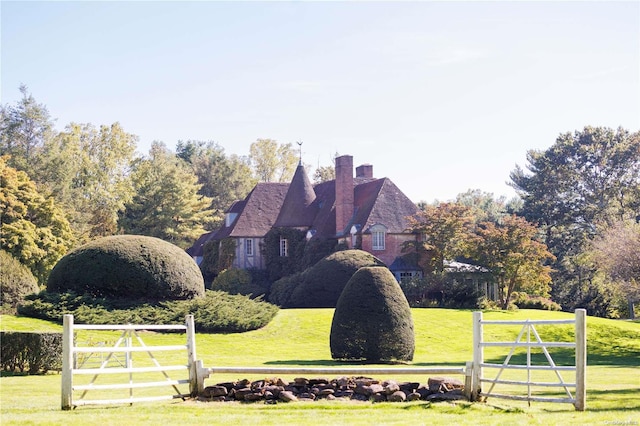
(272, 391)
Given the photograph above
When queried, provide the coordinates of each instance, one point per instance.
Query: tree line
(573, 233)
(61, 189)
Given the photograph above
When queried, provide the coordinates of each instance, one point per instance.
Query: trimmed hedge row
(216, 312)
(31, 352)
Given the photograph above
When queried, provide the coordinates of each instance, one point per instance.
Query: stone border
(274, 390)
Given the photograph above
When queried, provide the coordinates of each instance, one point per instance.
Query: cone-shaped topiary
(129, 267)
(372, 320)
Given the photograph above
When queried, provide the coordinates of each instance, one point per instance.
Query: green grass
(301, 338)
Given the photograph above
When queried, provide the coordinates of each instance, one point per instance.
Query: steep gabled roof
(197, 249)
(380, 201)
(298, 209)
(325, 221)
(258, 211)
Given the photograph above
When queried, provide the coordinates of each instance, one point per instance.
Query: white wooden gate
(532, 340)
(75, 361)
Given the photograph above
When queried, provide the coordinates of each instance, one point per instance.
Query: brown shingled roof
(298, 209)
(380, 201)
(299, 204)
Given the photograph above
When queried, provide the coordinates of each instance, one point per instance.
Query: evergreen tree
(166, 203)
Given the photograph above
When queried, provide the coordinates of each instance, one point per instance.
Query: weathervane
(300, 145)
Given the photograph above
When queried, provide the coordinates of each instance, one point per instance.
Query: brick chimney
(364, 171)
(344, 193)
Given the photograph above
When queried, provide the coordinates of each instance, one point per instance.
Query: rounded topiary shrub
(16, 281)
(129, 267)
(372, 321)
(321, 285)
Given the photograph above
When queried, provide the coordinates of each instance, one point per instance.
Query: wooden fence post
(581, 359)
(191, 355)
(67, 362)
(478, 356)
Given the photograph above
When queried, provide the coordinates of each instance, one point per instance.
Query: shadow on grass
(343, 363)
(626, 399)
(567, 357)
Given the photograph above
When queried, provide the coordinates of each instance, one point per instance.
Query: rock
(398, 396)
(287, 396)
(344, 393)
(307, 396)
(369, 390)
(424, 392)
(414, 396)
(244, 383)
(378, 397)
(214, 391)
(274, 389)
(326, 392)
(318, 381)
(409, 387)
(448, 396)
(444, 384)
(390, 387)
(241, 393)
(300, 381)
(251, 397)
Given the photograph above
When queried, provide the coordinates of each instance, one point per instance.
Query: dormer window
(229, 218)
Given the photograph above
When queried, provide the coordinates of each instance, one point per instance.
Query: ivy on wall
(281, 266)
(218, 255)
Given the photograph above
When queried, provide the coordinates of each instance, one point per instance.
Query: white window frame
(284, 247)
(378, 237)
(249, 247)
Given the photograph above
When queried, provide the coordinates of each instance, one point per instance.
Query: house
(360, 211)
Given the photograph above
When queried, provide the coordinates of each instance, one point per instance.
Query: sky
(440, 97)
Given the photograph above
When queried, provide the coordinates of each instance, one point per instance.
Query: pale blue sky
(440, 97)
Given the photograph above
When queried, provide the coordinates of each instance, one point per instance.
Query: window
(378, 240)
(283, 247)
(378, 233)
(249, 247)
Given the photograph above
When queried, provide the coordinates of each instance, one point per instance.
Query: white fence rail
(528, 330)
(76, 358)
(473, 371)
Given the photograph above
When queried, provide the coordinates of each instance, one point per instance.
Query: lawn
(301, 338)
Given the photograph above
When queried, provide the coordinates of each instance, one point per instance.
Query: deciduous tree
(273, 162)
(87, 170)
(617, 253)
(442, 231)
(517, 260)
(33, 229)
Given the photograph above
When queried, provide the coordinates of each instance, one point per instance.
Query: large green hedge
(130, 267)
(30, 352)
(16, 281)
(216, 312)
(372, 321)
(321, 285)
